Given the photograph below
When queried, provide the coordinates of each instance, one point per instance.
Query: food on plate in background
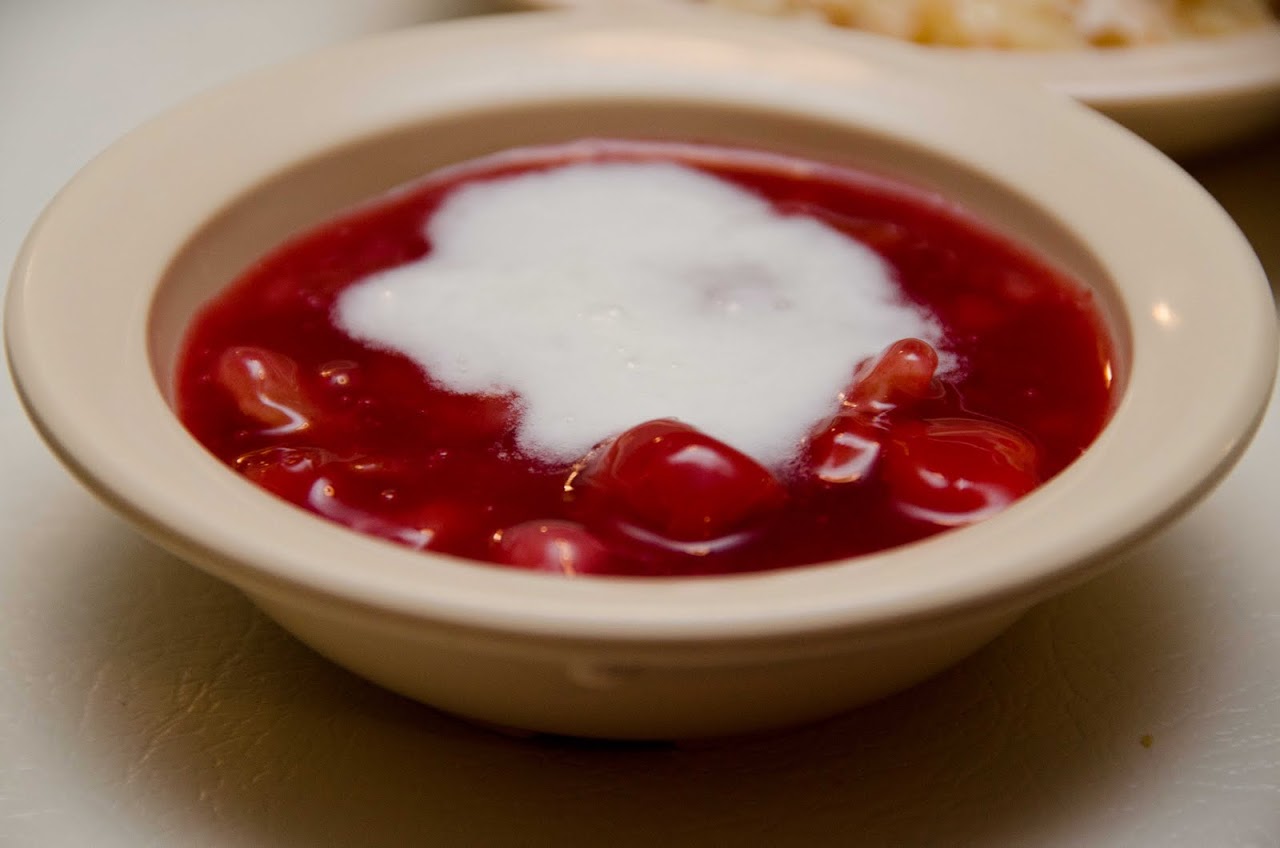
(1029, 24)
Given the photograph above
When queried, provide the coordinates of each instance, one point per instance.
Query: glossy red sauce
(361, 436)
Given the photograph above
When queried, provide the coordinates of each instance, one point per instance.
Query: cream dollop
(606, 294)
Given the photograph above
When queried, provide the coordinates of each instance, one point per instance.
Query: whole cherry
(676, 481)
(562, 547)
(955, 471)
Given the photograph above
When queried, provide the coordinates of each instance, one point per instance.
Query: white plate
(1185, 98)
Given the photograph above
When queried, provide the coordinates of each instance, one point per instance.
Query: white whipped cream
(608, 294)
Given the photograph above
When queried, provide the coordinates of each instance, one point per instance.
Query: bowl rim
(80, 362)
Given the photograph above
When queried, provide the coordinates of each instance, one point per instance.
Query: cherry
(266, 388)
(846, 449)
(677, 482)
(955, 471)
(562, 547)
(901, 374)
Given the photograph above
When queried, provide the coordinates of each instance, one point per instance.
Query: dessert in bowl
(649, 359)
(119, 269)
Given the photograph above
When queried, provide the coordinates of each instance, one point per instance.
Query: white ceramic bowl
(1187, 98)
(114, 269)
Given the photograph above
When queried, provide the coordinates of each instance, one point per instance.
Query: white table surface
(145, 704)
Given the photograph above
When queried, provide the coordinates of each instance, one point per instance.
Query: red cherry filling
(287, 472)
(955, 471)
(679, 483)
(333, 486)
(364, 437)
(662, 484)
(325, 499)
(562, 547)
